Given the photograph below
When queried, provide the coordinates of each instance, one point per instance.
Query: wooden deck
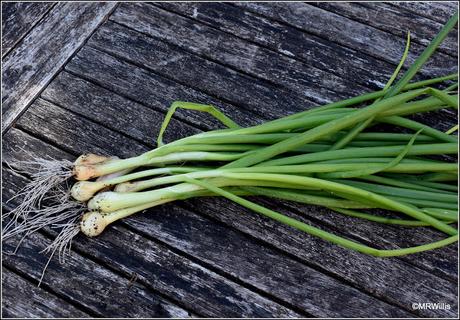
(98, 77)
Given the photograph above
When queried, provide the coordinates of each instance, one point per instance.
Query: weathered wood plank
(204, 75)
(16, 140)
(18, 18)
(391, 279)
(156, 267)
(139, 84)
(369, 230)
(381, 284)
(73, 128)
(80, 92)
(183, 280)
(383, 16)
(350, 33)
(305, 80)
(87, 284)
(440, 262)
(43, 52)
(246, 295)
(113, 111)
(22, 299)
(147, 88)
(349, 64)
(436, 10)
(258, 265)
(136, 47)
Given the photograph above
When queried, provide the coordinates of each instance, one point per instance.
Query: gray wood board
(348, 64)
(18, 18)
(43, 52)
(435, 10)
(39, 303)
(238, 256)
(383, 16)
(83, 282)
(224, 48)
(75, 100)
(349, 33)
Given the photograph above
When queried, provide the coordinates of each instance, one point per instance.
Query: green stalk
(369, 96)
(292, 195)
(292, 169)
(427, 149)
(442, 186)
(401, 184)
(371, 217)
(401, 192)
(425, 203)
(442, 213)
(332, 186)
(424, 105)
(363, 125)
(321, 233)
(322, 130)
(388, 165)
(416, 126)
(424, 56)
(382, 136)
(440, 176)
(452, 130)
(111, 201)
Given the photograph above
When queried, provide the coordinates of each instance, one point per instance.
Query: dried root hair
(48, 177)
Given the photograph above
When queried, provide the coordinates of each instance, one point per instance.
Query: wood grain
(390, 279)
(148, 88)
(287, 287)
(43, 52)
(383, 16)
(18, 18)
(257, 265)
(204, 76)
(437, 262)
(39, 303)
(311, 83)
(350, 33)
(82, 281)
(87, 284)
(349, 64)
(436, 10)
(133, 119)
(72, 98)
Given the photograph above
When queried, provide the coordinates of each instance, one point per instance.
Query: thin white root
(47, 174)
(45, 202)
(62, 244)
(59, 209)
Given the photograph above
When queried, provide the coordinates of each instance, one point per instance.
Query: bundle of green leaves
(330, 156)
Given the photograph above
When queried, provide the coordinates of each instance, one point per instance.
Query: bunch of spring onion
(331, 156)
